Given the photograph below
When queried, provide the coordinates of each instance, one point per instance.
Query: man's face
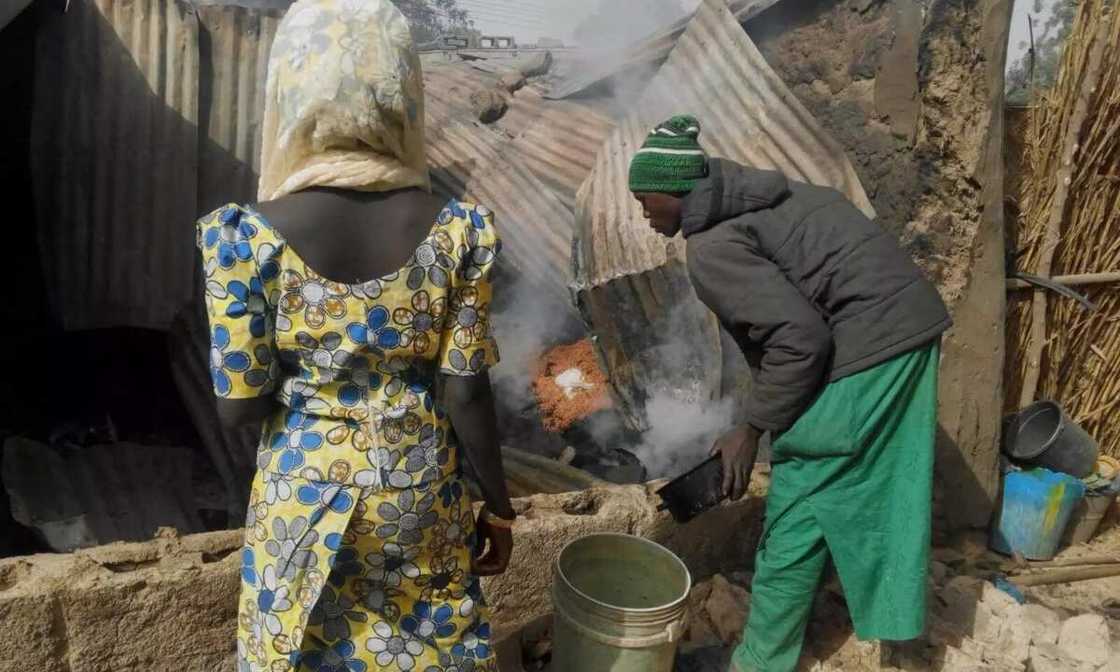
(663, 212)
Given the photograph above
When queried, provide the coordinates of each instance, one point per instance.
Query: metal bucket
(1087, 518)
(1042, 435)
(619, 605)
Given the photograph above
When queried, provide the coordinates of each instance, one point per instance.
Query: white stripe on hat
(662, 130)
(678, 152)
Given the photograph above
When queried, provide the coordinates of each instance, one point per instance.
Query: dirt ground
(1100, 596)
(973, 626)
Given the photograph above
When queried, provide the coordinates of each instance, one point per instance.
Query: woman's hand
(738, 448)
(494, 548)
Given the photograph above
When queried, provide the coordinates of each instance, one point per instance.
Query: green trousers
(851, 481)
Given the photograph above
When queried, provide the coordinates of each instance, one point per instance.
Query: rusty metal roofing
(467, 162)
(561, 143)
(526, 167)
(645, 53)
(121, 167)
(114, 154)
(748, 115)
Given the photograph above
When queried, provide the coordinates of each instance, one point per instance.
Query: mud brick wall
(913, 91)
(171, 604)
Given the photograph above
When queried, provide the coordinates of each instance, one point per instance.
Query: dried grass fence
(1069, 224)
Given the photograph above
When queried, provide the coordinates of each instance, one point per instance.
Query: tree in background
(431, 19)
(617, 24)
(1049, 38)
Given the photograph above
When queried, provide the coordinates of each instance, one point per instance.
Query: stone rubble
(973, 627)
(1086, 639)
(726, 609)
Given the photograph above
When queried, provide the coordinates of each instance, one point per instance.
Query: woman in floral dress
(361, 542)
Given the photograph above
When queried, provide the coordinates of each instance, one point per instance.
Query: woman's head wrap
(344, 103)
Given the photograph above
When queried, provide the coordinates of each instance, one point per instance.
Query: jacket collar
(728, 191)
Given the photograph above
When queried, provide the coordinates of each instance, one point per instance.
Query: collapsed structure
(892, 108)
(897, 104)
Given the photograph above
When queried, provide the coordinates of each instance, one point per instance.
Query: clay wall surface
(913, 91)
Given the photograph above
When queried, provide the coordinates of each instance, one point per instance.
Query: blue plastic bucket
(1036, 510)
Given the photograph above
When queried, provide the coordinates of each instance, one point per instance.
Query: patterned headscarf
(344, 104)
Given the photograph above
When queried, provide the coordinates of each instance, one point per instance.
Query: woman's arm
(239, 414)
(470, 403)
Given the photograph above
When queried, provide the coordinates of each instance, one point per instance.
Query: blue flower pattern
(296, 441)
(224, 361)
(337, 658)
(428, 623)
(251, 302)
(338, 575)
(231, 236)
(367, 604)
(376, 331)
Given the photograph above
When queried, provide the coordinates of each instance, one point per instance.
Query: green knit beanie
(671, 160)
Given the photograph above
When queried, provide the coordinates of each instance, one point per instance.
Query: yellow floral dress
(359, 530)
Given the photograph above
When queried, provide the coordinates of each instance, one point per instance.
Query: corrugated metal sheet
(235, 45)
(748, 116)
(561, 144)
(656, 340)
(447, 90)
(141, 158)
(114, 160)
(646, 53)
(655, 337)
(467, 162)
(526, 167)
(99, 494)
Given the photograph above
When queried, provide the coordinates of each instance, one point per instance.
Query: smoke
(681, 433)
(683, 420)
(527, 321)
(617, 24)
(682, 373)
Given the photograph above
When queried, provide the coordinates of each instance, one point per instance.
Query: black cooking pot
(693, 492)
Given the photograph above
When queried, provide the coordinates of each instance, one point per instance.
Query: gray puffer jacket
(811, 289)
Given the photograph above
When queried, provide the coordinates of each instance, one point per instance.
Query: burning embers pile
(570, 386)
(574, 401)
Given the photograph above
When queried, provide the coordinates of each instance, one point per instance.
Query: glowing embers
(570, 386)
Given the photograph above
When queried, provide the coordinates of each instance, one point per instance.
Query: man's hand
(738, 448)
(491, 559)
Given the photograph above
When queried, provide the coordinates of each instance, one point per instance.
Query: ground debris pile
(570, 386)
(718, 610)
(973, 625)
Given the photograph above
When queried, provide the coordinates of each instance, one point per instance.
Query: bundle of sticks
(1066, 570)
(1068, 226)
